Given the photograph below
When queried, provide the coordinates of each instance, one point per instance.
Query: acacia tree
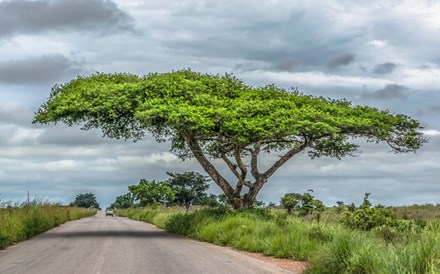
(219, 117)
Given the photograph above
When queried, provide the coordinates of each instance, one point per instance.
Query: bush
(180, 223)
(366, 217)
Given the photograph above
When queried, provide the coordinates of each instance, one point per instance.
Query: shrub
(366, 217)
(180, 223)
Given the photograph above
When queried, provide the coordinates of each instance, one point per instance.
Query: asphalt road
(102, 244)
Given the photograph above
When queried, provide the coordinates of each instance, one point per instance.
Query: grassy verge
(21, 223)
(329, 248)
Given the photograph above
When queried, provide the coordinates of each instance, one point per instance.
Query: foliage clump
(126, 200)
(304, 204)
(152, 193)
(365, 217)
(189, 188)
(85, 200)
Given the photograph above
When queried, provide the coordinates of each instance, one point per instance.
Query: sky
(377, 53)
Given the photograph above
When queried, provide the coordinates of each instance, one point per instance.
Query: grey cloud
(285, 40)
(38, 70)
(71, 137)
(384, 68)
(390, 91)
(15, 114)
(341, 60)
(286, 65)
(26, 16)
(430, 110)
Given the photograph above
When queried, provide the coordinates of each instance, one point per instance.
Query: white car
(109, 212)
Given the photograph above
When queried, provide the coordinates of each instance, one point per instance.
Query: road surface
(101, 245)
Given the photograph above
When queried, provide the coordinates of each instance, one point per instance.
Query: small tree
(189, 188)
(291, 201)
(340, 207)
(85, 200)
(152, 193)
(271, 205)
(124, 201)
(304, 203)
(318, 208)
(211, 201)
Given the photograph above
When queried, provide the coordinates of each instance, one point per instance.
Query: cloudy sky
(377, 53)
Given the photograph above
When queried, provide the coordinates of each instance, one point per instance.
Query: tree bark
(207, 166)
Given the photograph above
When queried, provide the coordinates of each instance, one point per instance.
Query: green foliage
(219, 117)
(85, 200)
(340, 207)
(211, 201)
(189, 188)
(155, 215)
(214, 201)
(366, 217)
(349, 252)
(304, 204)
(152, 193)
(180, 223)
(290, 201)
(214, 106)
(20, 223)
(124, 201)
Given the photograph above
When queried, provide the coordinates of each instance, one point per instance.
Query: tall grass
(20, 222)
(329, 248)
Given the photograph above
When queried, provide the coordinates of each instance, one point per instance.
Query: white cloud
(377, 44)
(317, 79)
(165, 157)
(431, 132)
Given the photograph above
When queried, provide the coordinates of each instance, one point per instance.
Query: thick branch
(283, 159)
(240, 163)
(240, 185)
(204, 162)
(254, 160)
(231, 166)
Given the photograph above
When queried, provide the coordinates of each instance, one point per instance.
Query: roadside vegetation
(19, 222)
(342, 239)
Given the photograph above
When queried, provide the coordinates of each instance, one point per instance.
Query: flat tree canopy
(219, 117)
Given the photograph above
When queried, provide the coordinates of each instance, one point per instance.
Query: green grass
(328, 247)
(19, 223)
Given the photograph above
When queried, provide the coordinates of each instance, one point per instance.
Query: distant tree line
(181, 189)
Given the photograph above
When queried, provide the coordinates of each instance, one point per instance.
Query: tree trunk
(241, 202)
(245, 201)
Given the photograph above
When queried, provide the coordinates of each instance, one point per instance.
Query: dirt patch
(296, 267)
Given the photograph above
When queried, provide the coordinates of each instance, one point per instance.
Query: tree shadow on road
(109, 233)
